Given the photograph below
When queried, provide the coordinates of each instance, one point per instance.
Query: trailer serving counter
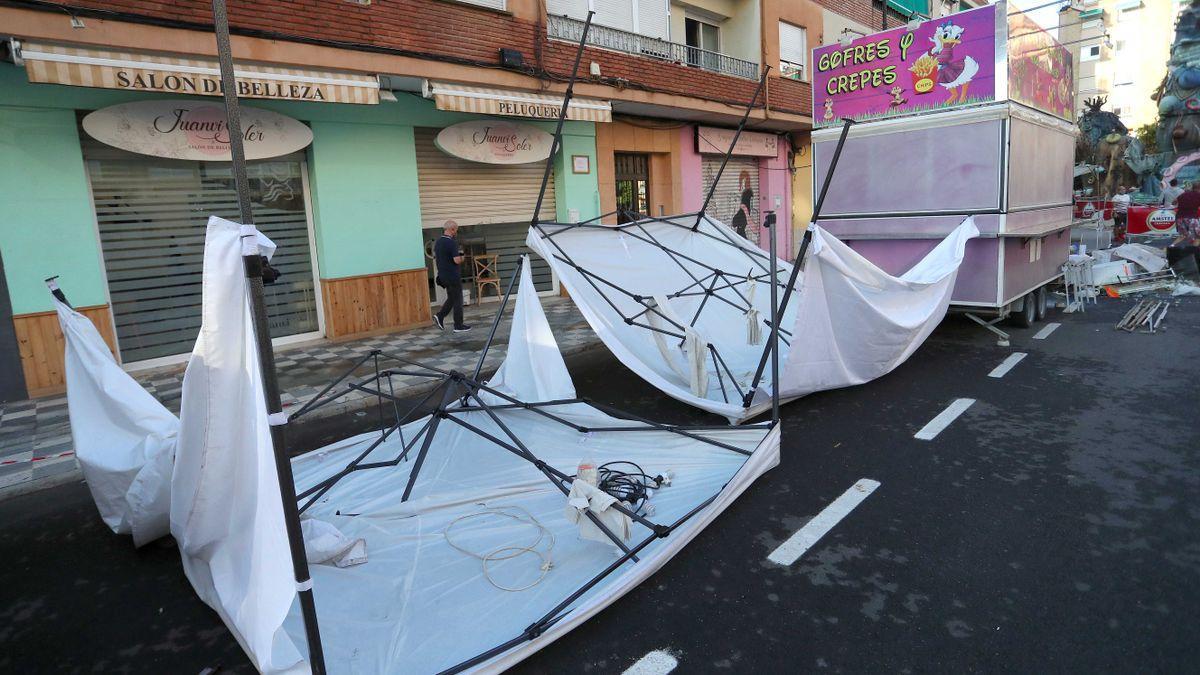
(959, 116)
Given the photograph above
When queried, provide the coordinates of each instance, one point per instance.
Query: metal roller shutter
(151, 215)
(472, 193)
(492, 203)
(728, 197)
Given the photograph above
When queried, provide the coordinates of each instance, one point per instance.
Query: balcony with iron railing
(570, 30)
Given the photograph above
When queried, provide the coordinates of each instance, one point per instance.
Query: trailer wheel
(1040, 302)
(1025, 317)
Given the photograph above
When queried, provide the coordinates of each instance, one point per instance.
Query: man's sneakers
(437, 321)
(462, 329)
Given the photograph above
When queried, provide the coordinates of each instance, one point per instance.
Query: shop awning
(512, 103)
(133, 71)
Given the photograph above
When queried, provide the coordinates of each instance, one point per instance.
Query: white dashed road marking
(1045, 332)
(796, 545)
(1007, 365)
(656, 662)
(944, 418)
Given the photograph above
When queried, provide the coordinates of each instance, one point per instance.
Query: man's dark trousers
(454, 301)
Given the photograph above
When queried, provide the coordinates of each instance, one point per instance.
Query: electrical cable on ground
(508, 552)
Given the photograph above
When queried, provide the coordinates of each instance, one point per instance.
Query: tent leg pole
(772, 229)
(791, 284)
(562, 116)
(429, 434)
(266, 353)
(762, 81)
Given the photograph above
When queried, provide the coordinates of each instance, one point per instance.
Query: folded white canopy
(420, 605)
(847, 322)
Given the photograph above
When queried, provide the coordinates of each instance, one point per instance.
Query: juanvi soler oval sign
(193, 130)
(495, 142)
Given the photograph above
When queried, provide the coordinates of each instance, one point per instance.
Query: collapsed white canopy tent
(685, 303)
(457, 538)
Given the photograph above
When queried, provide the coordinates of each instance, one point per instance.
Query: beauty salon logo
(190, 130)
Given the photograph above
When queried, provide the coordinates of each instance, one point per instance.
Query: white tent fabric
(226, 513)
(418, 605)
(124, 438)
(533, 368)
(855, 322)
(849, 321)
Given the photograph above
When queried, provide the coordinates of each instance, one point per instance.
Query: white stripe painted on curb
(804, 538)
(1007, 365)
(1045, 332)
(944, 418)
(656, 662)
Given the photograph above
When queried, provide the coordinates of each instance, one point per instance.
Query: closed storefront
(492, 203)
(151, 215)
(735, 201)
(757, 179)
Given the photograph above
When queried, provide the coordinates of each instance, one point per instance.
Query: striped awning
(134, 71)
(512, 103)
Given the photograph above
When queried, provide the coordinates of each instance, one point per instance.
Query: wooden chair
(486, 274)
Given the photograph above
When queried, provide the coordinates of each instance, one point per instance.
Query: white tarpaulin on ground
(124, 438)
(848, 321)
(418, 604)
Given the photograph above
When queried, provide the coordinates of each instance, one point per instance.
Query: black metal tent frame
(706, 284)
(458, 396)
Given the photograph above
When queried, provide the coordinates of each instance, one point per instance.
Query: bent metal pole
(762, 81)
(266, 354)
(798, 263)
(562, 116)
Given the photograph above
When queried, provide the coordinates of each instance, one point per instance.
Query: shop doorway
(735, 201)
(12, 377)
(151, 216)
(506, 241)
(632, 173)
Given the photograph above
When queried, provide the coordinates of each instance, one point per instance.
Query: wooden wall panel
(40, 341)
(375, 303)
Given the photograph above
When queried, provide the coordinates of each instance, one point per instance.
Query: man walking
(449, 276)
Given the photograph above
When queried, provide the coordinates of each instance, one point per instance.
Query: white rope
(508, 552)
(753, 316)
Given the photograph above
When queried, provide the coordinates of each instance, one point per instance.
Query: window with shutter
(793, 51)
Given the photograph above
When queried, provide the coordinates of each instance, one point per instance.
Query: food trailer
(965, 115)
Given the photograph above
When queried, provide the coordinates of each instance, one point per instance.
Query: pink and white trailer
(990, 137)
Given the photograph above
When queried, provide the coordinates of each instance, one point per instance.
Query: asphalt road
(1049, 528)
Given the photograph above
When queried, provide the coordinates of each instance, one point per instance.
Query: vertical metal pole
(772, 224)
(799, 262)
(266, 354)
(562, 116)
(762, 81)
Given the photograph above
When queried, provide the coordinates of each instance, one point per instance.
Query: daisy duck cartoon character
(953, 73)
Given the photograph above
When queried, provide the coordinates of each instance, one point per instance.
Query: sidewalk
(36, 449)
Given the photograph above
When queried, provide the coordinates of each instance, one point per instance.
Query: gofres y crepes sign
(943, 63)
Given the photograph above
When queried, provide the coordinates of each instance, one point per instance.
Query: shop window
(151, 215)
(632, 173)
(704, 44)
(793, 51)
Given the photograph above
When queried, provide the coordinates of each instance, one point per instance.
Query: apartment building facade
(371, 112)
(1121, 48)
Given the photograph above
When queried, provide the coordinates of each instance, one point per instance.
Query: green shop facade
(353, 213)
